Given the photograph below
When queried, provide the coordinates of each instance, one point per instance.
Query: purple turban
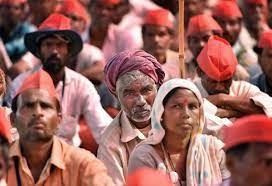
(132, 60)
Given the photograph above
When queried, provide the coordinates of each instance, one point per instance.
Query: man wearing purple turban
(133, 77)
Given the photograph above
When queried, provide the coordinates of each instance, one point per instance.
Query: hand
(218, 99)
(225, 113)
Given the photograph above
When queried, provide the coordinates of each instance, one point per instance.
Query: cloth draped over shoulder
(202, 162)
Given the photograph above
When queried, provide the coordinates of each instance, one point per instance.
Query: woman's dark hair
(169, 95)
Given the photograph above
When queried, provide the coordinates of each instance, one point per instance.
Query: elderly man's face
(231, 28)
(37, 115)
(54, 54)
(198, 40)
(136, 93)
(255, 163)
(157, 40)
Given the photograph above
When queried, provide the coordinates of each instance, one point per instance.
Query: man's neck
(58, 76)
(36, 155)
(175, 144)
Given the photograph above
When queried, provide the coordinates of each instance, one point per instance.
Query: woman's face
(181, 113)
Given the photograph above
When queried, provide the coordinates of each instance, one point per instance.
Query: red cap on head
(56, 21)
(227, 9)
(200, 23)
(75, 7)
(151, 177)
(111, 2)
(254, 128)
(4, 125)
(265, 40)
(38, 80)
(217, 59)
(160, 17)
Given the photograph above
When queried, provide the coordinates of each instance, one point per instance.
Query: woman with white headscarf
(176, 144)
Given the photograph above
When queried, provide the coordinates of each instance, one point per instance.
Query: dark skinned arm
(243, 105)
(225, 113)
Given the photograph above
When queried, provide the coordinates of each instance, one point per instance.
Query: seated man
(264, 51)
(55, 43)
(228, 15)
(158, 31)
(133, 77)
(200, 28)
(217, 64)
(41, 158)
(248, 145)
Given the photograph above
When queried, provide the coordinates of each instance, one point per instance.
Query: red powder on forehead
(185, 101)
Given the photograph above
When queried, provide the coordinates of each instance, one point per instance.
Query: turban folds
(128, 61)
(250, 129)
(217, 59)
(200, 23)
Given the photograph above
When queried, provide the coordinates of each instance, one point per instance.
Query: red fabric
(265, 40)
(254, 128)
(38, 80)
(4, 125)
(111, 2)
(227, 9)
(217, 59)
(200, 23)
(56, 22)
(127, 61)
(160, 17)
(74, 7)
(87, 140)
(148, 177)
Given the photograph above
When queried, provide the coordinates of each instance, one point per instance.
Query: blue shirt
(14, 41)
(261, 82)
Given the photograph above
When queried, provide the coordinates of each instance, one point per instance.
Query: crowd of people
(92, 92)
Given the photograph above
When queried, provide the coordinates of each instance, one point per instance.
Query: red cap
(75, 7)
(13, 1)
(5, 125)
(148, 177)
(56, 21)
(38, 80)
(160, 17)
(217, 59)
(227, 9)
(111, 2)
(265, 40)
(200, 23)
(254, 128)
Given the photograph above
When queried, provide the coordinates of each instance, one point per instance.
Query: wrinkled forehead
(34, 95)
(135, 76)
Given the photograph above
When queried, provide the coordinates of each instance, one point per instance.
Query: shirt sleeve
(94, 173)
(111, 155)
(95, 116)
(142, 156)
